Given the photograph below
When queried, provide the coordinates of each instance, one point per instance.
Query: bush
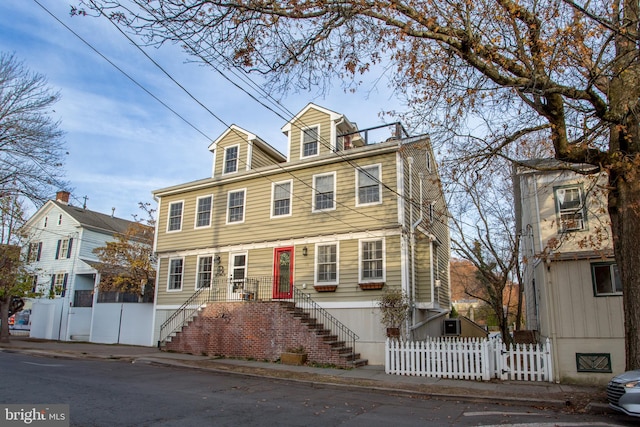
(394, 307)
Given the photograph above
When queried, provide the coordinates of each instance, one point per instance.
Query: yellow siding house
(344, 215)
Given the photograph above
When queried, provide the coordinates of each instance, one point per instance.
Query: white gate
(469, 358)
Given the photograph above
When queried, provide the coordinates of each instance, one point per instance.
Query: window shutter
(53, 283)
(69, 248)
(39, 251)
(58, 249)
(64, 284)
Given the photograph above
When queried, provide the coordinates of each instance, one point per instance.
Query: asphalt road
(115, 393)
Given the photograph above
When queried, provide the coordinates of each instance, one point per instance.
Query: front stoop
(206, 332)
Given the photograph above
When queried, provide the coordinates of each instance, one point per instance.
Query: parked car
(623, 393)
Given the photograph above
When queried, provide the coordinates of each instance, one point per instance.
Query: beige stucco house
(572, 289)
(343, 215)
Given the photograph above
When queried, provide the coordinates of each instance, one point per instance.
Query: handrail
(250, 290)
(304, 301)
(179, 317)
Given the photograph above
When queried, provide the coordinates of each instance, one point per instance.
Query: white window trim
(315, 264)
(195, 221)
(362, 169)
(224, 160)
(244, 206)
(231, 268)
(212, 256)
(169, 275)
(63, 253)
(302, 156)
(273, 195)
(384, 261)
(60, 286)
(335, 192)
(582, 209)
(181, 216)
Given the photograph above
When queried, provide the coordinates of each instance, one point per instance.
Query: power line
(300, 126)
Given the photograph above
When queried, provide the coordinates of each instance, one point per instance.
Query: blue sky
(122, 143)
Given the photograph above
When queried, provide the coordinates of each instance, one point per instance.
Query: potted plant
(294, 356)
(394, 308)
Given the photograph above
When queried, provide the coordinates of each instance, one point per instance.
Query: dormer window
(231, 159)
(310, 141)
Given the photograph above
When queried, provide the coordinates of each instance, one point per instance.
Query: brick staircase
(339, 347)
(261, 331)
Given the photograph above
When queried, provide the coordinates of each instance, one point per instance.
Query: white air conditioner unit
(452, 327)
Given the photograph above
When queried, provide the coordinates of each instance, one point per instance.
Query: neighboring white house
(572, 288)
(59, 253)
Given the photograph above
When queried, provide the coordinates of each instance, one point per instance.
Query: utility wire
(252, 83)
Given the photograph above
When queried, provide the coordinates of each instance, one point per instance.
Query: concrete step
(359, 362)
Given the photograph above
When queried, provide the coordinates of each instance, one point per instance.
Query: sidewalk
(567, 397)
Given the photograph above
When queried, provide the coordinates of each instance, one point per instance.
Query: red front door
(283, 273)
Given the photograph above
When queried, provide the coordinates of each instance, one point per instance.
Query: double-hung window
(310, 142)
(281, 196)
(174, 222)
(231, 159)
(324, 188)
(606, 279)
(235, 206)
(63, 249)
(205, 269)
(175, 274)
(203, 212)
(570, 208)
(326, 264)
(372, 260)
(59, 284)
(34, 251)
(368, 183)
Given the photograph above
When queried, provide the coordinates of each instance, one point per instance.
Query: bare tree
(31, 154)
(483, 233)
(31, 143)
(563, 70)
(14, 283)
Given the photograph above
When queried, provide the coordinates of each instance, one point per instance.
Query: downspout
(535, 192)
(412, 239)
(551, 309)
(335, 143)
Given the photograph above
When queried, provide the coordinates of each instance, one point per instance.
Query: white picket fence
(469, 359)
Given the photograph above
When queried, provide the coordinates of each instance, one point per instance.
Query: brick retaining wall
(253, 330)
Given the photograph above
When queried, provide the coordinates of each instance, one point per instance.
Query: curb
(381, 389)
(320, 380)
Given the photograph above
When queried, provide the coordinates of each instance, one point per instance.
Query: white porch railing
(469, 359)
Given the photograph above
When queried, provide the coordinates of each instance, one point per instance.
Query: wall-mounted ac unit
(452, 327)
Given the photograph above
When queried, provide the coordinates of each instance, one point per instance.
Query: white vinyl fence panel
(469, 358)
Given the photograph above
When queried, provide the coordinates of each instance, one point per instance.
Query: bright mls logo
(37, 415)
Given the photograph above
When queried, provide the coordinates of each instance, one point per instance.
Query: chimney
(63, 197)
